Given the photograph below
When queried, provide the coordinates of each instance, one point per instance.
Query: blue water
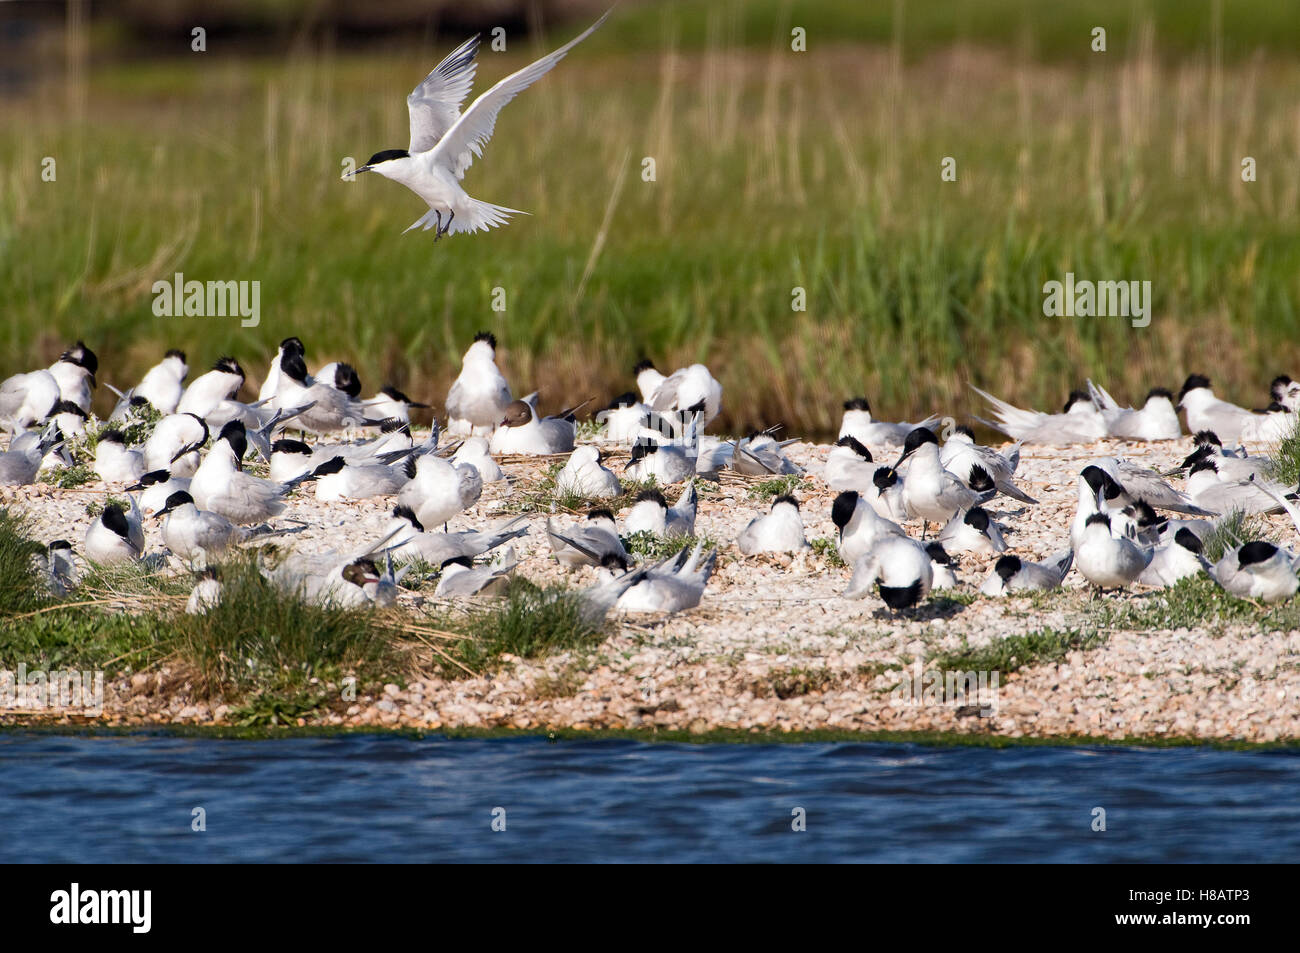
(373, 798)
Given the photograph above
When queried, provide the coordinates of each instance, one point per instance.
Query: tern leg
(450, 215)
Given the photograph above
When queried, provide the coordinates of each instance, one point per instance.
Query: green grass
(775, 170)
(1286, 459)
(260, 638)
(1196, 603)
(20, 588)
(1040, 647)
(1231, 530)
(528, 622)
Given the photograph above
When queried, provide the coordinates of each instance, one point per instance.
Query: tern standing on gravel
(444, 142)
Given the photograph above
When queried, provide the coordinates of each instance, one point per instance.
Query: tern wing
(434, 105)
(471, 132)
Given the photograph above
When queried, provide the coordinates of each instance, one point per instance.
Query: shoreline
(719, 736)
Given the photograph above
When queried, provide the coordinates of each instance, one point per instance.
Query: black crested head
(466, 561)
(233, 433)
(228, 365)
(1160, 392)
(843, 508)
(179, 498)
(627, 399)
(615, 561)
(1202, 452)
(403, 512)
(293, 367)
(1145, 513)
(785, 498)
(1101, 481)
(640, 450)
(410, 468)
(1257, 552)
(346, 380)
(1101, 518)
(332, 465)
(938, 554)
(115, 519)
(600, 513)
(486, 336)
(387, 155)
(1076, 397)
(1205, 463)
(856, 446)
(392, 393)
(980, 481)
(652, 495)
(1279, 385)
(82, 356)
(857, 403)
(1193, 382)
(394, 425)
(918, 437)
(177, 353)
(1006, 567)
(1188, 540)
(290, 446)
(111, 436)
(977, 518)
(1207, 438)
(963, 429)
(292, 344)
(645, 364)
(138, 402)
(884, 478)
(68, 407)
(154, 477)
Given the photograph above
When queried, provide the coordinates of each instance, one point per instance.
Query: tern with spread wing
(444, 142)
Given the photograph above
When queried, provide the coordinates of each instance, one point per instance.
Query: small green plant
(776, 486)
(67, 478)
(793, 682)
(829, 550)
(648, 547)
(95, 508)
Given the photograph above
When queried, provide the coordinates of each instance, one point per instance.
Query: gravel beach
(774, 647)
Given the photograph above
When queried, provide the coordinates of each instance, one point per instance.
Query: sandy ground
(774, 646)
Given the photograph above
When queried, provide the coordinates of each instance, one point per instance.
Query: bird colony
(191, 471)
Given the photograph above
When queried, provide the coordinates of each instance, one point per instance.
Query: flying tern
(444, 142)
